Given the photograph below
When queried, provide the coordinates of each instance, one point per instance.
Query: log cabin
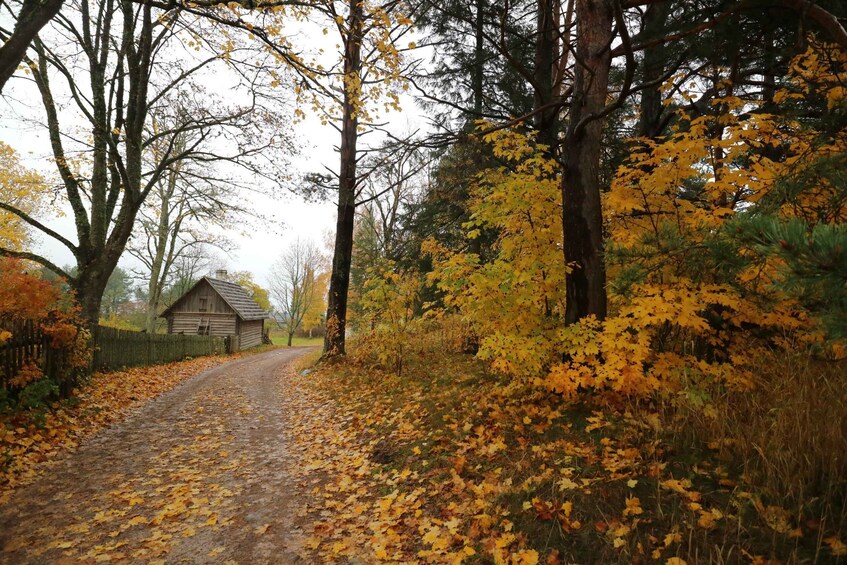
(214, 306)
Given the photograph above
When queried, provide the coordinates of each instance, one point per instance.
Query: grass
(279, 339)
(505, 472)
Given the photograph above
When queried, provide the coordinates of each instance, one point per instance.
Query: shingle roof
(238, 299)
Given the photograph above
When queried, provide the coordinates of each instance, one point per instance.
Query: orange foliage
(27, 374)
(22, 295)
(26, 297)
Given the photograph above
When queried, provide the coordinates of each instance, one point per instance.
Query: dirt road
(199, 475)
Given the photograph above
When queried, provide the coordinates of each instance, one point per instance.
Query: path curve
(201, 474)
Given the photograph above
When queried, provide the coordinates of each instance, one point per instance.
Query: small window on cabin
(204, 302)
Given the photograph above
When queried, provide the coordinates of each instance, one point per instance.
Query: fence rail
(114, 349)
(123, 348)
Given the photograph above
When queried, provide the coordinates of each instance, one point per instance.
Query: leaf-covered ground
(255, 462)
(448, 465)
(29, 442)
(198, 475)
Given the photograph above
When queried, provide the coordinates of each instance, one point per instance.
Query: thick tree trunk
(100, 249)
(34, 15)
(546, 49)
(582, 218)
(290, 338)
(89, 286)
(653, 67)
(336, 314)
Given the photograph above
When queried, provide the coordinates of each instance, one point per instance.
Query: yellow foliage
(678, 318)
(514, 302)
(389, 302)
(22, 189)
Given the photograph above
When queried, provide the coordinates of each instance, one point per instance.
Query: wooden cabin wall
(215, 304)
(251, 333)
(187, 322)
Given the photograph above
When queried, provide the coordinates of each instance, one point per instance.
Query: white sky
(257, 248)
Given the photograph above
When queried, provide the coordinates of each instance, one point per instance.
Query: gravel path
(201, 474)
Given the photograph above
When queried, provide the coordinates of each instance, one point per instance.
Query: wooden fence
(114, 349)
(123, 348)
(28, 344)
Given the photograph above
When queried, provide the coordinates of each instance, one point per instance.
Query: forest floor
(259, 462)
(450, 463)
(201, 474)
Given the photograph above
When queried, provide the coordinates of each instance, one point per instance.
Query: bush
(29, 301)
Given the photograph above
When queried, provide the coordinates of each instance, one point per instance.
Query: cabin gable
(202, 299)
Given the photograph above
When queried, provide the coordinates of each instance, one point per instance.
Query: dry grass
(308, 360)
(789, 435)
(785, 441)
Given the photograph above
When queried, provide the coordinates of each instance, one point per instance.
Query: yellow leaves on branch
(666, 205)
(388, 303)
(23, 189)
(677, 323)
(726, 151)
(623, 353)
(514, 302)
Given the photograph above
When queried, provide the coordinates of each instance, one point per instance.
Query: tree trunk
(336, 314)
(582, 218)
(34, 15)
(650, 122)
(546, 49)
(89, 286)
(154, 286)
(153, 298)
(166, 242)
(100, 249)
(290, 338)
(478, 71)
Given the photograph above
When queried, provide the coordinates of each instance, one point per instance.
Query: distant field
(297, 341)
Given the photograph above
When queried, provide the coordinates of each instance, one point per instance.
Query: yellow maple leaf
(525, 557)
(836, 546)
(633, 507)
